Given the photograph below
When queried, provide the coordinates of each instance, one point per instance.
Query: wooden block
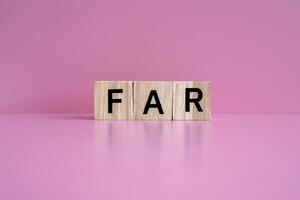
(113, 100)
(191, 100)
(152, 100)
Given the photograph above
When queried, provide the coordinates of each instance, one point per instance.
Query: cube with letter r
(191, 100)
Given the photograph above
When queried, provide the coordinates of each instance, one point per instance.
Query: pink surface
(74, 157)
(52, 51)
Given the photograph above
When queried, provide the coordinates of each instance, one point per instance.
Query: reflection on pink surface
(75, 157)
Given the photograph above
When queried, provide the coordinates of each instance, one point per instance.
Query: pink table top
(71, 156)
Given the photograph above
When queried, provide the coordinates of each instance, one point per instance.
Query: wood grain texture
(141, 94)
(179, 109)
(120, 111)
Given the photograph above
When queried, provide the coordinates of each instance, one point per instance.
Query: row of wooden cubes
(152, 100)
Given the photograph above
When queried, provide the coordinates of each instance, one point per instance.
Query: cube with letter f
(113, 100)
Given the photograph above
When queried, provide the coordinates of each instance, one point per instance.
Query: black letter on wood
(188, 100)
(111, 100)
(157, 105)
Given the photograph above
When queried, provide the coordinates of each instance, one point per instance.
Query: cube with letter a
(113, 100)
(152, 100)
(191, 100)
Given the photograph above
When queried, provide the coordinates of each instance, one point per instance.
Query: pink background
(52, 51)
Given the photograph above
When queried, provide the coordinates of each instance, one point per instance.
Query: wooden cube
(152, 100)
(191, 100)
(113, 100)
